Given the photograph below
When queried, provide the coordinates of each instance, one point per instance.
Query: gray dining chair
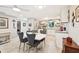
(22, 40)
(32, 42)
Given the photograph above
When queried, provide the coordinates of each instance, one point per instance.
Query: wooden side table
(70, 48)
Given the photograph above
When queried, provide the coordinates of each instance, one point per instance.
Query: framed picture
(51, 24)
(3, 23)
(24, 24)
(77, 14)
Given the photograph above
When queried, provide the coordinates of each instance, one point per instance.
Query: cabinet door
(59, 39)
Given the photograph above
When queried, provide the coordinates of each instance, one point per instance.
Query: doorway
(19, 26)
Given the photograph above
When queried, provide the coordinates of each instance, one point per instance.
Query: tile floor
(13, 46)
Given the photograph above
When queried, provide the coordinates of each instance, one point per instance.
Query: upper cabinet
(64, 14)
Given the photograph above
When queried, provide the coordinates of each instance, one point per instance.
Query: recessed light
(40, 7)
(46, 18)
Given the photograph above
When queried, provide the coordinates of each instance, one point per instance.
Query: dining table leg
(19, 46)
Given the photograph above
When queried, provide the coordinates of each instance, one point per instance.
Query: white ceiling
(33, 11)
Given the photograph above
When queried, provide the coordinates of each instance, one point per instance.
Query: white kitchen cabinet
(59, 39)
(51, 32)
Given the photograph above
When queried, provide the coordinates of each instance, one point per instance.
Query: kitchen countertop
(62, 32)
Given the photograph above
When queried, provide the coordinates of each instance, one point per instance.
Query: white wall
(33, 22)
(27, 21)
(74, 31)
(60, 35)
(23, 28)
(4, 30)
(13, 31)
(10, 27)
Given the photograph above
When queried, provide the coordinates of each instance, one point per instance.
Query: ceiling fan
(15, 7)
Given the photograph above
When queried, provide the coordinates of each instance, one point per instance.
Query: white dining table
(38, 36)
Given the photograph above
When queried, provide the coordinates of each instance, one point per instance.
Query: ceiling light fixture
(16, 9)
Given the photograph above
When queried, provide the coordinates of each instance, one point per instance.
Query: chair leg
(28, 49)
(19, 46)
(24, 47)
(36, 49)
(44, 43)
